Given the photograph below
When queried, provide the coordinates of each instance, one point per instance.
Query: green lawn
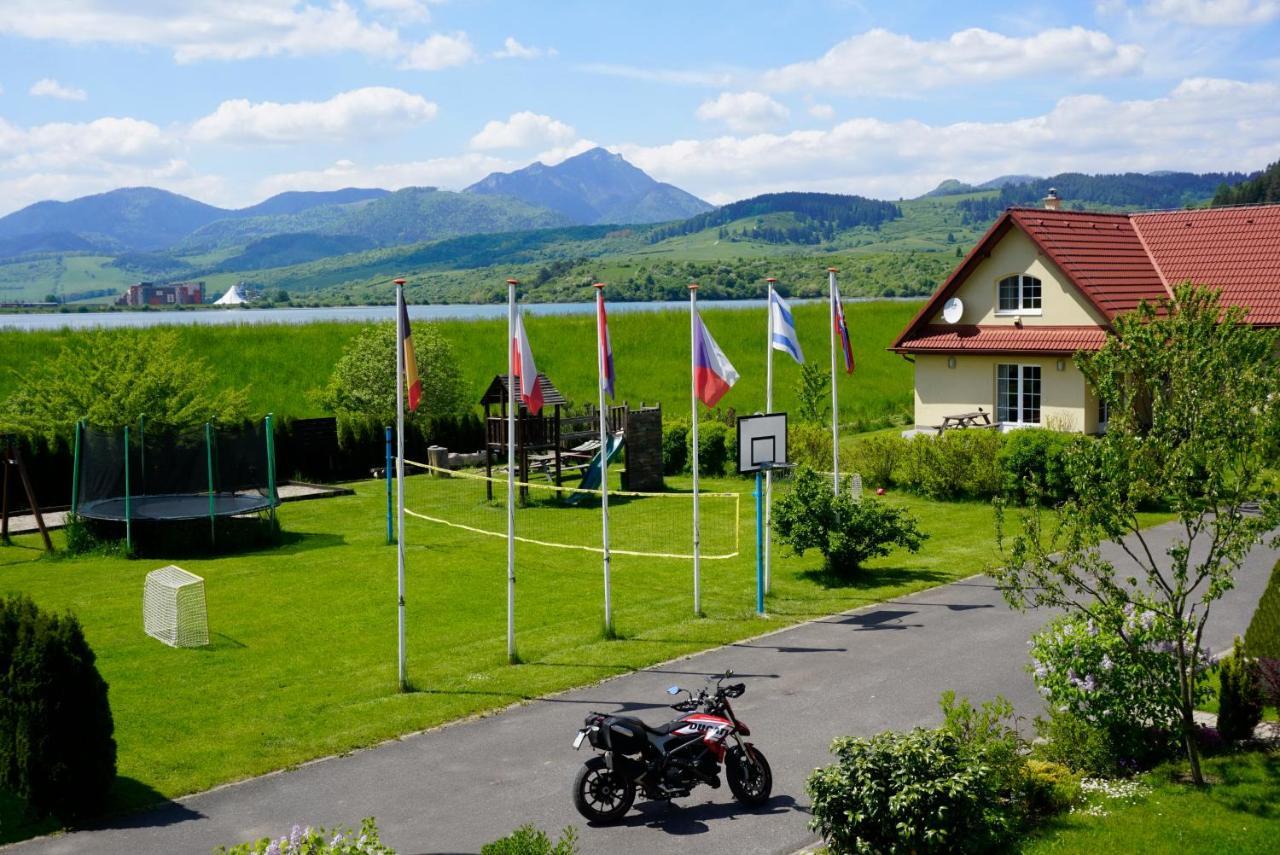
(302, 660)
(1239, 813)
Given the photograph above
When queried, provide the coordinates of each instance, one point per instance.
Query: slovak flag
(842, 330)
(713, 373)
(526, 372)
(606, 347)
(784, 328)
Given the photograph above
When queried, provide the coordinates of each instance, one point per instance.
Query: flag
(713, 373)
(606, 346)
(526, 372)
(784, 328)
(842, 330)
(411, 378)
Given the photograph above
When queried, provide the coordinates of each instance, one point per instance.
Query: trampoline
(141, 474)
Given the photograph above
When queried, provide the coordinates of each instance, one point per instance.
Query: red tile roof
(971, 338)
(1119, 260)
(1234, 249)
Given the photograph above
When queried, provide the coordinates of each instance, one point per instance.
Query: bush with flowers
(316, 841)
(1116, 674)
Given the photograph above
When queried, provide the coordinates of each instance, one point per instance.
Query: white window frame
(1020, 395)
(1022, 296)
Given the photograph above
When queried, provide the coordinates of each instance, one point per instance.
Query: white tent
(233, 297)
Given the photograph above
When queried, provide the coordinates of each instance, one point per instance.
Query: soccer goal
(173, 608)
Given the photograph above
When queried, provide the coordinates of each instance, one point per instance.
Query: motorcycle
(668, 761)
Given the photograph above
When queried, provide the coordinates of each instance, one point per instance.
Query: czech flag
(606, 347)
(526, 372)
(713, 373)
(411, 378)
(842, 330)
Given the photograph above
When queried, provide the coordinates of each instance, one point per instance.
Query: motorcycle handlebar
(735, 691)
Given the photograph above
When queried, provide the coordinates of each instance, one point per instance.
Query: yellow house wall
(1065, 402)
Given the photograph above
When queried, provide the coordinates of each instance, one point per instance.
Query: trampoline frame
(222, 504)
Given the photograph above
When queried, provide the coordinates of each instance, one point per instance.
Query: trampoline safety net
(146, 474)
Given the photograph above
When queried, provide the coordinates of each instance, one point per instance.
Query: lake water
(353, 314)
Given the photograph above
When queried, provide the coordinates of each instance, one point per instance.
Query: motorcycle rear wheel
(750, 778)
(601, 795)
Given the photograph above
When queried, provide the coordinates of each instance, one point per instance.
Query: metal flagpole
(693, 389)
(511, 469)
(400, 310)
(768, 408)
(604, 457)
(835, 397)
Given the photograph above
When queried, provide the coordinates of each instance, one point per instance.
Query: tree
(813, 390)
(1194, 397)
(363, 384)
(112, 378)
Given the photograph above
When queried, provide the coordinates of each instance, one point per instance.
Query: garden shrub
(878, 457)
(1033, 461)
(1068, 740)
(846, 531)
(958, 464)
(1051, 788)
(316, 841)
(675, 447)
(1239, 696)
(1262, 639)
(530, 840)
(714, 448)
(809, 445)
(57, 750)
(907, 792)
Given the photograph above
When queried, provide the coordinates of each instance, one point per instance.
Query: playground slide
(591, 476)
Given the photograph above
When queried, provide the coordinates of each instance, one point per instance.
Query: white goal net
(173, 609)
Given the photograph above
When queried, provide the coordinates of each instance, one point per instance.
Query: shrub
(316, 841)
(906, 792)
(56, 746)
(813, 393)
(877, 458)
(675, 448)
(713, 448)
(809, 445)
(1262, 639)
(1033, 461)
(1051, 788)
(846, 531)
(529, 840)
(958, 464)
(1067, 739)
(1240, 695)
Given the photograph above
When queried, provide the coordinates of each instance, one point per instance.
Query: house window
(1017, 294)
(1018, 394)
(1104, 413)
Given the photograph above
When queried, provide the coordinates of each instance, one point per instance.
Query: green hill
(1263, 188)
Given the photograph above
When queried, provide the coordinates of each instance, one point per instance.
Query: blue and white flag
(784, 328)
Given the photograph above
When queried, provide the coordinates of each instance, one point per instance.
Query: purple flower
(1093, 627)
(295, 836)
(1107, 664)
(273, 848)
(1090, 684)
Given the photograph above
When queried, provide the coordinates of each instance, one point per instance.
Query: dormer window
(1018, 295)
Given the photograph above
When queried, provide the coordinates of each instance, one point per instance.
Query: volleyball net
(653, 525)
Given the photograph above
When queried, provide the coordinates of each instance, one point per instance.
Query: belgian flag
(411, 378)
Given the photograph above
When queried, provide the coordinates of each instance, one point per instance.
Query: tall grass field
(284, 364)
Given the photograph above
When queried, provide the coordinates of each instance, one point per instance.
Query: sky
(232, 101)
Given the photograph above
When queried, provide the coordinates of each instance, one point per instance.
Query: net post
(128, 515)
(208, 453)
(271, 464)
(387, 473)
(75, 470)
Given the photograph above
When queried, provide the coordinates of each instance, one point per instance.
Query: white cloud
(359, 113)
(512, 49)
(556, 154)
(47, 87)
(1216, 13)
(822, 111)
(523, 130)
(439, 51)
(659, 75)
(450, 173)
(404, 10)
(744, 111)
(881, 62)
(1203, 124)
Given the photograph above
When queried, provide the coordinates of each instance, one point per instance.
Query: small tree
(813, 390)
(1194, 395)
(362, 388)
(1240, 695)
(846, 531)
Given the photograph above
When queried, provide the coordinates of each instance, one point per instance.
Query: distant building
(170, 294)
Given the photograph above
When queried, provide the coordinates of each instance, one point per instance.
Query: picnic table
(979, 418)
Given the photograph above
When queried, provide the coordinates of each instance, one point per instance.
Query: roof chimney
(1051, 201)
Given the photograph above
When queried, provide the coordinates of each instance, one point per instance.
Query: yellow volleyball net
(655, 525)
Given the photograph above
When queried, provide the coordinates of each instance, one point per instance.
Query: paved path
(456, 788)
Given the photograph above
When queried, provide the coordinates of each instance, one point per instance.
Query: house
(172, 294)
(1043, 284)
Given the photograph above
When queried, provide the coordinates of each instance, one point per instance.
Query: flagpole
(400, 310)
(693, 396)
(768, 475)
(835, 396)
(604, 457)
(511, 469)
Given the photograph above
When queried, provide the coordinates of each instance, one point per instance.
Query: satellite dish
(952, 310)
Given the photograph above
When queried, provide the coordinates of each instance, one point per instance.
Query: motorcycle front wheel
(600, 795)
(750, 778)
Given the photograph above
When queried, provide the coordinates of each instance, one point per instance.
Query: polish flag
(713, 373)
(525, 371)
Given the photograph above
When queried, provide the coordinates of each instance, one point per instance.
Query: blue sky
(230, 101)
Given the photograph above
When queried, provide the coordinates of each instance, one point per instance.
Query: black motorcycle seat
(660, 730)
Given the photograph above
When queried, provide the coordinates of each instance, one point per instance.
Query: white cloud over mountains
(47, 87)
(744, 111)
(366, 112)
(523, 130)
(447, 172)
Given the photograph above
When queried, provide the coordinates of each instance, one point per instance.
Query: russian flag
(411, 378)
(842, 330)
(526, 372)
(606, 347)
(713, 373)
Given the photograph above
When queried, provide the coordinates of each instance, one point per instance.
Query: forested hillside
(819, 216)
(1264, 188)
